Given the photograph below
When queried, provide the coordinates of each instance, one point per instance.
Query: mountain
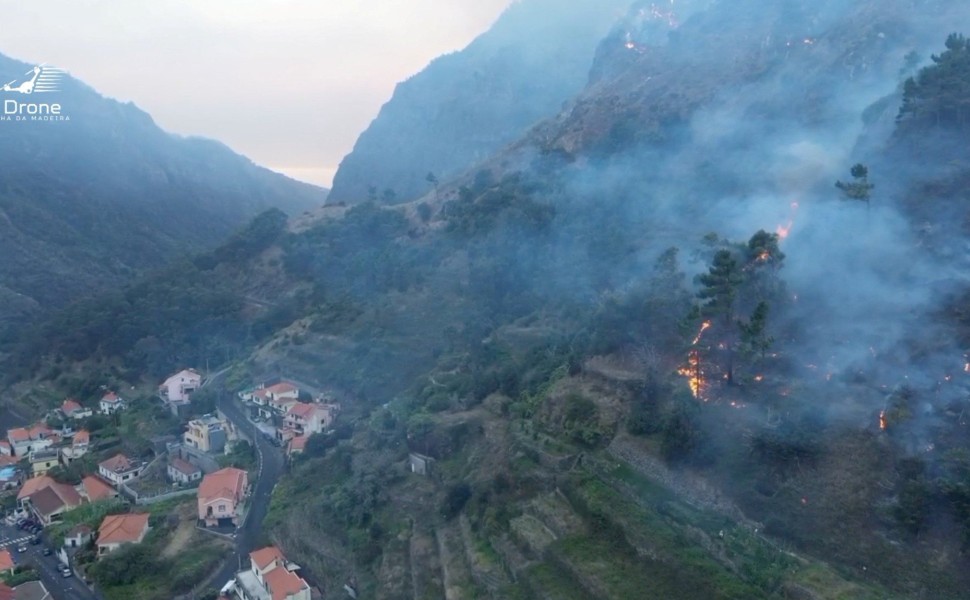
(89, 203)
(651, 347)
(465, 106)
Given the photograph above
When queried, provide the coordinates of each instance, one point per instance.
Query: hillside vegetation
(690, 338)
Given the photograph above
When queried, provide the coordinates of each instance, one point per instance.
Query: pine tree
(859, 188)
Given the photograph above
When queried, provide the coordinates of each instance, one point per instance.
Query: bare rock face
(466, 106)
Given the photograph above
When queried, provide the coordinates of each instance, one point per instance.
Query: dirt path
(183, 534)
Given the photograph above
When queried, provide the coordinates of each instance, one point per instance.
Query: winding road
(270, 469)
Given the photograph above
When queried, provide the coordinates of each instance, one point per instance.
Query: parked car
(35, 541)
(66, 572)
(47, 551)
(21, 549)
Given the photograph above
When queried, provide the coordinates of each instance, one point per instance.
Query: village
(76, 493)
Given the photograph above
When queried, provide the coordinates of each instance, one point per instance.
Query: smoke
(762, 149)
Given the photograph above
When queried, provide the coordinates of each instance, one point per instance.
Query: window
(222, 508)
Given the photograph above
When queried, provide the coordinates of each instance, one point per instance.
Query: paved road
(48, 567)
(270, 470)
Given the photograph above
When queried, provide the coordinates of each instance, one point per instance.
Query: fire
(966, 368)
(759, 378)
(693, 371)
(784, 230)
(882, 420)
(694, 374)
(704, 327)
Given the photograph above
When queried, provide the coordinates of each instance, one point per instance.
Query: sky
(288, 83)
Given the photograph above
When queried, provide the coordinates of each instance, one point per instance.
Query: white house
(307, 419)
(120, 469)
(180, 386)
(72, 409)
(182, 471)
(112, 403)
(270, 575)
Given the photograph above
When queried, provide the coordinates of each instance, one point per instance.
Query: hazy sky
(288, 83)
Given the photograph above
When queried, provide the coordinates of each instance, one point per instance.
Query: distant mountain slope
(467, 105)
(87, 203)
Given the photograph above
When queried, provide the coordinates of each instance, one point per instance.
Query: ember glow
(882, 420)
(693, 370)
(784, 230)
(704, 327)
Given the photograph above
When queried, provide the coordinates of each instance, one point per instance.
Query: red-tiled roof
(298, 444)
(6, 592)
(183, 466)
(283, 584)
(122, 529)
(33, 485)
(6, 561)
(119, 463)
(19, 434)
(70, 406)
(81, 437)
(282, 388)
(49, 500)
(111, 397)
(264, 556)
(96, 489)
(302, 410)
(39, 431)
(228, 483)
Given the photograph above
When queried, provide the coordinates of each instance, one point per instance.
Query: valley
(691, 324)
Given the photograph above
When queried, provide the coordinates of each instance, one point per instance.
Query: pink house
(180, 386)
(307, 418)
(221, 495)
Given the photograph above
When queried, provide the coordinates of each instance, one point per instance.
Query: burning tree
(741, 278)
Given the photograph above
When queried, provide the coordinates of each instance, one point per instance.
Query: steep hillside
(675, 343)
(465, 106)
(89, 203)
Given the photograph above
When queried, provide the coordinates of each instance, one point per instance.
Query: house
(78, 536)
(182, 471)
(278, 397)
(297, 445)
(78, 448)
(285, 434)
(112, 403)
(95, 489)
(306, 418)
(7, 565)
(42, 461)
(420, 463)
(221, 495)
(34, 484)
(281, 404)
(118, 530)
(5, 448)
(178, 387)
(25, 440)
(48, 499)
(206, 434)
(270, 577)
(72, 409)
(119, 468)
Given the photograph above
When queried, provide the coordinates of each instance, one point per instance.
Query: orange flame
(784, 230)
(704, 327)
(882, 420)
(694, 374)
